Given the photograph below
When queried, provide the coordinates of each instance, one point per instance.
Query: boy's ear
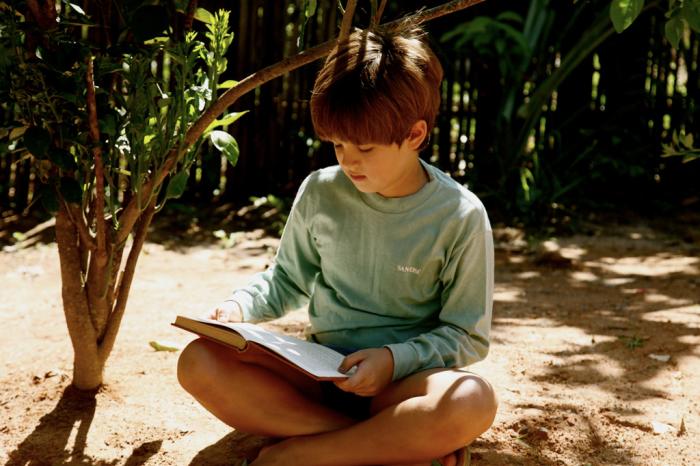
(417, 134)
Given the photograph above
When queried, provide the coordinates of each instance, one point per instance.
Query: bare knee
(470, 408)
(196, 364)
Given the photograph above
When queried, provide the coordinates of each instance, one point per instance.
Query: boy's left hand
(375, 368)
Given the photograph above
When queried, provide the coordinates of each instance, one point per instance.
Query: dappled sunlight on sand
(651, 266)
(655, 298)
(507, 294)
(686, 315)
(584, 276)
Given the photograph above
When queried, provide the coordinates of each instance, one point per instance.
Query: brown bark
(346, 24)
(125, 281)
(189, 15)
(378, 15)
(98, 273)
(44, 13)
(87, 364)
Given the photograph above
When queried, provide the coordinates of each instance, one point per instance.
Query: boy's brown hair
(375, 86)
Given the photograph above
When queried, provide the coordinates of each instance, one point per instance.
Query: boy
(395, 261)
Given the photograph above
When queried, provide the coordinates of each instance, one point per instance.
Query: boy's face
(389, 170)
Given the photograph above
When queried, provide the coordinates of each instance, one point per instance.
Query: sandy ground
(595, 355)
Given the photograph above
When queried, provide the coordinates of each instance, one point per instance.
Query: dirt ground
(595, 354)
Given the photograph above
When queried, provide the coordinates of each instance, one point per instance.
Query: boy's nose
(348, 159)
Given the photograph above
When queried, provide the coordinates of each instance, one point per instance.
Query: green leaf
(688, 140)
(163, 345)
(37, 141)
(204, 16)
(526, 179)
(157, 40)
(49, 201)
(310, 9)
(228, 84)
(227, 120)
(510, 16)
(691, 13)
(71, 190)
(77, 8)
(226, 144)
(674, 31)
(177, 185)
(17, 132)
(624, 12)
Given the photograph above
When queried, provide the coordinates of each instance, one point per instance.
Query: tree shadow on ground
(231, 450)
(569, 421)
(632, 307)
(143, 453)
(48, 443)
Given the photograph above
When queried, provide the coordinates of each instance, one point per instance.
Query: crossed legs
(424, 416)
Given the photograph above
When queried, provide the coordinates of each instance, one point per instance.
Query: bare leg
(425, 416)
(255, 394)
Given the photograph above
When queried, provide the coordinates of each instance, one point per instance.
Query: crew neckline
(392, 205)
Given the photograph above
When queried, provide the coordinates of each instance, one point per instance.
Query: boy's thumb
(350, 361)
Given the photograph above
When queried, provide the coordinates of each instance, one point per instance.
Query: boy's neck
(411, 183)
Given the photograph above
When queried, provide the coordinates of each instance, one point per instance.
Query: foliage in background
(540, 180)
(682, 146)
(591, 144)
(681, 15)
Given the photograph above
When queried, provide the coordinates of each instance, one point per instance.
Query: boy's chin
(363, 188)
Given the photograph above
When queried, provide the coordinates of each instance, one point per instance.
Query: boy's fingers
(351, 360)
(351, 384)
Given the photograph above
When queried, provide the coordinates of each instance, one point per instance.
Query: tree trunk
(87, 364)
(88, 369)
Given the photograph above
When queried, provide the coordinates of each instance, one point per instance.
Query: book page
(312, 357)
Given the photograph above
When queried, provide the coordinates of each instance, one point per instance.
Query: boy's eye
(363, 150)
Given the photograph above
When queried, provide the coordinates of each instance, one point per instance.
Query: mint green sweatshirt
(413, 274)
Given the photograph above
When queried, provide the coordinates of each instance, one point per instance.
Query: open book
(313, 359)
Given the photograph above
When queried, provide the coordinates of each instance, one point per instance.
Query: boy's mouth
(356, 177)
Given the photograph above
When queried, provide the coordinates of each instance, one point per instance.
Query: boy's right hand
(228, 311)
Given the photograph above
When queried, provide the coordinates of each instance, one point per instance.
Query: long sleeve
(462, 336)
(289, 282)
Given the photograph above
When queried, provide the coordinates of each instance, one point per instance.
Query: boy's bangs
(365, 119)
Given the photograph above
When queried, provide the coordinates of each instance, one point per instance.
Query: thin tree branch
(45, 14)
(115, 317)
(378, 15)
(346, 24)
(131, 212)
(75, 216)
(101, 232)
(437, 12)
(189, 18)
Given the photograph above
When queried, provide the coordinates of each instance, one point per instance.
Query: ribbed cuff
(405, 359)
